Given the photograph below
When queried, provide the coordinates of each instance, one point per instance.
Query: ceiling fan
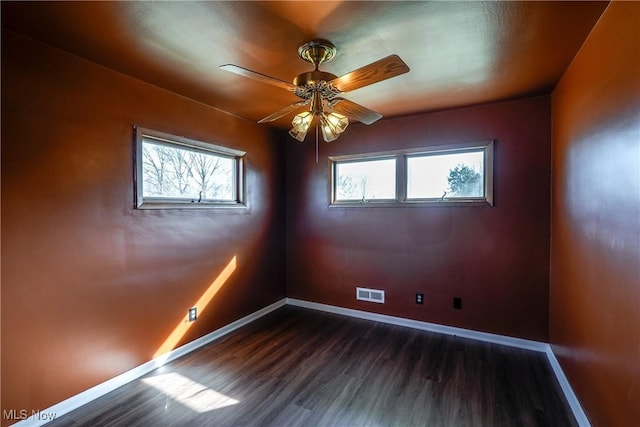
(322, 91)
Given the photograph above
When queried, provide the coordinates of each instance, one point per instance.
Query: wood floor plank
(298, 367)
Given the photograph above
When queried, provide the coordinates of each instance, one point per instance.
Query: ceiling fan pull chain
(316, 142)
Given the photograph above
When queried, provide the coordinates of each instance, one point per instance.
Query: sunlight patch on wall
(189, 393)
(183, 326)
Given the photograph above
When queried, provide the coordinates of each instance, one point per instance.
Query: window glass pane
(181, 173)
(450, 175)
(369, 180)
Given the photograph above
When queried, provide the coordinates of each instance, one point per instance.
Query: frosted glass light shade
(302, 121)
(333, 125)
(297, 134)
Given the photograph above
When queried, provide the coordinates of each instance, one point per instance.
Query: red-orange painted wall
(595, 240)
(91, 287)
(495, 258)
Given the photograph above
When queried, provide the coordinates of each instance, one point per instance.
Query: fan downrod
(317, 51)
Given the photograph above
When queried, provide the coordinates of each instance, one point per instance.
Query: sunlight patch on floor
(191, 394)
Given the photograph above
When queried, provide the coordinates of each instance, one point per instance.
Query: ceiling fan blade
(259, 77)
(284, 111)
(355, 111)
(375, 72)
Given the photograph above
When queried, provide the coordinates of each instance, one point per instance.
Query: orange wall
(595, 239)
(495, 258)
(91, 287)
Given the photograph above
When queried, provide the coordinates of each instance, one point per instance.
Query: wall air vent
(371, 295)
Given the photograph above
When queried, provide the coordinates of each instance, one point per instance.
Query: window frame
(402, 158)
(363, 159)
(180, 142)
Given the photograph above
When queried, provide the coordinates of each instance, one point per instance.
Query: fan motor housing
(313, 77)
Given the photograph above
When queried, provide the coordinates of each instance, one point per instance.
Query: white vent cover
(371, 295)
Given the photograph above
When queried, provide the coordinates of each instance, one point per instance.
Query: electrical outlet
(457, 303)
(419, 298)
(193, 314)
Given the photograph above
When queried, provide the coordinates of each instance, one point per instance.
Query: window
(363, 180)
(449, 175)
(173, 171)
(435, 175)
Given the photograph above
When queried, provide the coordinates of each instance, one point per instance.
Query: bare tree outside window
(174, 172)
(156, 169)
(178, 172)
(210, 175)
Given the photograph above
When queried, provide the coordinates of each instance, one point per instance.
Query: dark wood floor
(298, 367)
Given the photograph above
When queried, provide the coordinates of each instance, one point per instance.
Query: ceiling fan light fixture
(320, 88)
(302, 121)
(337, 121)
(333, 124)
(298, 134)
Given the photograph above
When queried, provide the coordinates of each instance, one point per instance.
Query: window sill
(189, 205)
(413, 204)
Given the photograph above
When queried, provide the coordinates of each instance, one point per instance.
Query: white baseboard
(542, 347)
(574, 403)
(425, 326)
(42, 417)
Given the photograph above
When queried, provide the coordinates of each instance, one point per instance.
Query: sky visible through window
(427, 176)
(366, 180)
